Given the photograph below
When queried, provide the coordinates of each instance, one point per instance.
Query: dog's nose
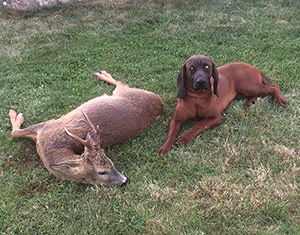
(127, 181)
(200, 81)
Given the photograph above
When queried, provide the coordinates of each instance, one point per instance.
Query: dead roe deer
(71, 147)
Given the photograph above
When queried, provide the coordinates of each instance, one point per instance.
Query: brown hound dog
(198, 98)
(61, 145)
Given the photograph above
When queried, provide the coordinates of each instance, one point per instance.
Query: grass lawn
(242, 177)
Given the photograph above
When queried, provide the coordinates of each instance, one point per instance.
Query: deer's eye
(102, 173)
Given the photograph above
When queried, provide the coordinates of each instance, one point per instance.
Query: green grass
(239, 178)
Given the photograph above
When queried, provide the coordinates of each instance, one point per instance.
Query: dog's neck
(198, 94)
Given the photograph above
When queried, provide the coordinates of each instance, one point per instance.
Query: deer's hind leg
(16, 122)
(104, 76)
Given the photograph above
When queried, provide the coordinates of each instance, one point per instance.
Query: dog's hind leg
(259, 85)
(253, 90)
(250, 102)
(16, 122)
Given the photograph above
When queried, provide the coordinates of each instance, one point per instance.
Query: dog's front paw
(164, 149)
(183, 139)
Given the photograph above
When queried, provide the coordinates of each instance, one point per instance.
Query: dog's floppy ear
(180, 82)
(215, 76)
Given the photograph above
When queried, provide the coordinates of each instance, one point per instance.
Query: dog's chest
(203, 110)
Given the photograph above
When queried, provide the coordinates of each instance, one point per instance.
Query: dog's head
(195, 74)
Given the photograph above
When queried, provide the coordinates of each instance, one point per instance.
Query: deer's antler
(95, 131)
(92, 142)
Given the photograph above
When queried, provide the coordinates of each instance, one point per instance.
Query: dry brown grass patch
(161, 193)
(286, 153)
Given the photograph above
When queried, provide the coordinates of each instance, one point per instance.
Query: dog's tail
(265, 80)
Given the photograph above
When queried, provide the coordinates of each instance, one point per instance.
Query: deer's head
(92, 166)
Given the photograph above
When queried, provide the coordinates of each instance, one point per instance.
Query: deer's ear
(72, 167)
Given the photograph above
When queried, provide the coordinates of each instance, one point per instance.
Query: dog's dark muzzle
(200, 84)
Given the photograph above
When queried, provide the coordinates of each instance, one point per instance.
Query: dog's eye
(206, 66)
(191, 68)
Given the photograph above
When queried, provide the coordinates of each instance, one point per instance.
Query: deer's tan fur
(71, 147)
